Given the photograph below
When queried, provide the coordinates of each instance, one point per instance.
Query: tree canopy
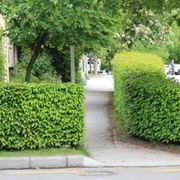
(88, 25)
(56, 23)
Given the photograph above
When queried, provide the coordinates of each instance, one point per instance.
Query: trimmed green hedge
(128, 64)
(35, 116)
(148, 103)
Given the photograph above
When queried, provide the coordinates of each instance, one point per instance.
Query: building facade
(10, 52)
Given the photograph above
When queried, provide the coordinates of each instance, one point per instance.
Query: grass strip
(45, 152)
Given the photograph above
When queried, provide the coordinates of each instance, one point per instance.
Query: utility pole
(6, 63)
(72, 64)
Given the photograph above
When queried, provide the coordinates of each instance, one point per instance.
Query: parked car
(168, 70)
(177, 69)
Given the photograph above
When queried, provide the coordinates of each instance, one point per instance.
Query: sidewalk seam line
(29, 162)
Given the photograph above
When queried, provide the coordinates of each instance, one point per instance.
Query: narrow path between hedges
(99, 139)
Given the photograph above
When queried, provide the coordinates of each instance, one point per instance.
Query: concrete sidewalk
(100, 143)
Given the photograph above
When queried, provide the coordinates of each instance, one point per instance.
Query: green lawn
(44, 152)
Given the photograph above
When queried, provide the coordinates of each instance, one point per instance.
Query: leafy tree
(88, 25)
(158, 6)
(167, 51)
(144, 21)
(175, 47)
(42, 66)
(58, 23)
(145, 25)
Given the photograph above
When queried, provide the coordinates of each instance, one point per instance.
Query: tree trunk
(31, 63)
(35, 54)
(95, 64)
(109, 65)
(130, 46)
(90, 67)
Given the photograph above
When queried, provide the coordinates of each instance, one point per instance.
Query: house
(10, 51)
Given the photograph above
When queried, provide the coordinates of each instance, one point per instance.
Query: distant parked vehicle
(176, 70)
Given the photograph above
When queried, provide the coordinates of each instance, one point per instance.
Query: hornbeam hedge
(35, 116)
(148, 103)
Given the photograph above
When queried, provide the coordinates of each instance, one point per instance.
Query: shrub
(51, 78)
(38, 116)
(128, 64)
(41, 67)
(148, 103)
(151, 108)
(174, 53)
(78, 78)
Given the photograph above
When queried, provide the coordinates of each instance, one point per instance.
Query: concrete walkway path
(100, 143)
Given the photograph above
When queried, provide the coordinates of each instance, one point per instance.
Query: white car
(176, 69)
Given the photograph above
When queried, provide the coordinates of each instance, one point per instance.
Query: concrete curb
(42, 162)
(69, 161)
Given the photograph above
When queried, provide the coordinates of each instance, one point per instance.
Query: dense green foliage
(127, 63)
(88, 25)
(58, 24)
(41, 116)
(145, 26)
(152, 108)
(167, 51)
(160, 50)
(174, 49)
(147, 102)
(42, 66)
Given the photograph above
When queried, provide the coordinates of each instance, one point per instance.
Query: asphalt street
(159, 173)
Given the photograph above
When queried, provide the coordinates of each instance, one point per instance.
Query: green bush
(128, 64)
(19, 77)
(78, 78)
(175, 53)
(34, 116)
(161, 51)
(151, 108)
(42, 66)
(148, 103)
